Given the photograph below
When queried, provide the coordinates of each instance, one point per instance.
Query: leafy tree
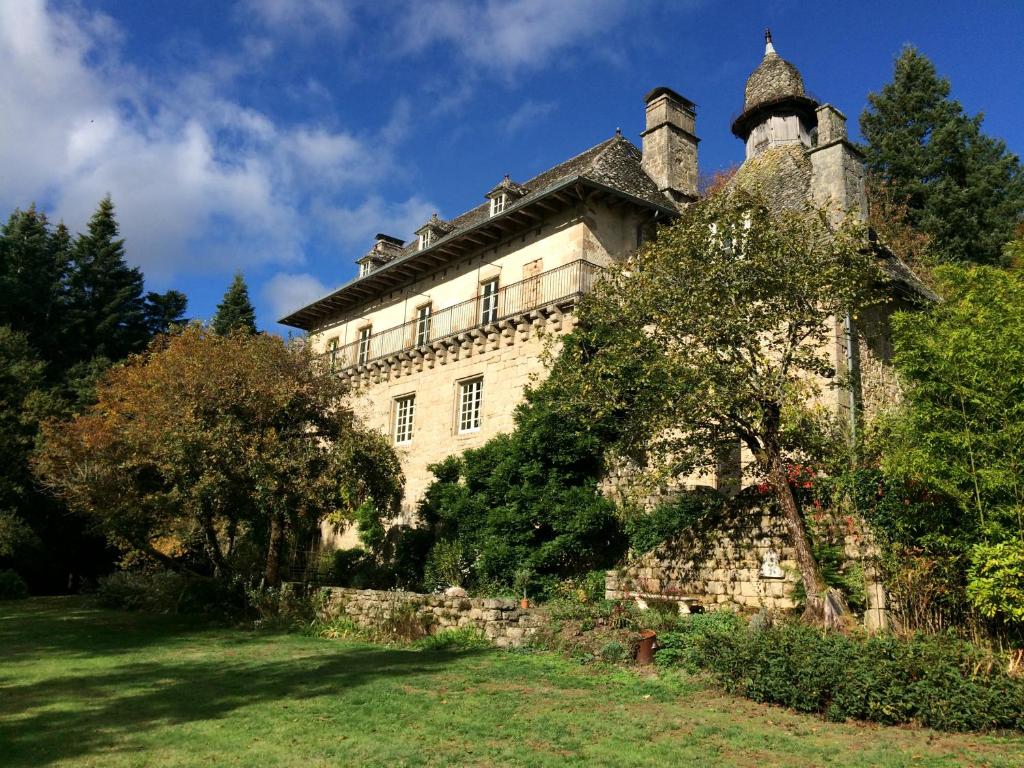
(718, 333)
(233, 443)
(961, 430)
(528, 500)
(961, 187)
(235, 311)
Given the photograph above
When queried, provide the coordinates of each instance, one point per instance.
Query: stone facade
(502, 622)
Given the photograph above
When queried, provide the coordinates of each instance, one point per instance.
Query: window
(489, 301)
(405, 410)
(470, 393)
(363, 353)
(364, 268)
(332, 353)
(498, 203)
(423, 324)
(426, 238)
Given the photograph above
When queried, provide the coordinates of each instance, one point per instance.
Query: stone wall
(742, 561)
(715, 567)
(502, 622)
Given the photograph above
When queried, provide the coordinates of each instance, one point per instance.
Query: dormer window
(426, 238)
(498, 203)
(364, 268)
(504, 195)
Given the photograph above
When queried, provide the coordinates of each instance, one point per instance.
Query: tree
(163, 311)
(961, 187)
(232, 442)
(235, 311)
(106, 304)
(960, 432)
(718, 333)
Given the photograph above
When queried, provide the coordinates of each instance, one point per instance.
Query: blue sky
(277, 136)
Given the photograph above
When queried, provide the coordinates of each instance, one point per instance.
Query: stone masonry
(502, 622)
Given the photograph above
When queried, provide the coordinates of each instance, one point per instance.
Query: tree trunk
(275, 548)
(824, 606)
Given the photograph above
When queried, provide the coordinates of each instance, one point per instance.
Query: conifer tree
(106, 304)
(961, 187)
(235, 312)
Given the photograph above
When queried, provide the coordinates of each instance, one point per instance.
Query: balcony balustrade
(557, 287)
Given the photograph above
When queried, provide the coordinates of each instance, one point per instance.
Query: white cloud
(506, 35)
(201, 181)
(288, 292)
(301, 15)
(358, 225)
(527, 115)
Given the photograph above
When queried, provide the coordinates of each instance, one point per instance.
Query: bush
(12, 586)
(463, 639)
(156, 592)
(646, 530)
(446, 567)
(935, 680)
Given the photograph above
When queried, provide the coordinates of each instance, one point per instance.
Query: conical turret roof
(774, 78)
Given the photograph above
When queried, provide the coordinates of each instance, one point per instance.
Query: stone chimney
(837, 167)
(669, 144)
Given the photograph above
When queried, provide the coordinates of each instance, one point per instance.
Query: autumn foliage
(215, 452)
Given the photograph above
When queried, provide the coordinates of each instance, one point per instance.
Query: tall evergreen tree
(235, 311)
(164, 310)
(961, 187)
(107, 307)
(33, 266)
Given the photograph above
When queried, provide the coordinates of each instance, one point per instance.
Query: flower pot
(645, 651)
(524, 603)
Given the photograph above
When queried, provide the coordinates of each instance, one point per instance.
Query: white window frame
(470, 405)
(364, 268)
(423, 315)
(363, 350)
(405, 416)
(426, 238)
(498, 203)
(489, 301)
(332, 353)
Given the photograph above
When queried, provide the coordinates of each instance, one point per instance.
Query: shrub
(446, 566)
(646, 530)
(935, 680)
(12, 586)
(153, 591)
(462, 639)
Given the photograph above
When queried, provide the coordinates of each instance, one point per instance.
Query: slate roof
(614, 164)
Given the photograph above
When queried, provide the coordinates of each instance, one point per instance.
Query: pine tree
(164, 310)
(107, 308)
(961, 187)
(33, 264)
(235, 311)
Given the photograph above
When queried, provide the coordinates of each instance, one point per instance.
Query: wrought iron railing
(556, 286)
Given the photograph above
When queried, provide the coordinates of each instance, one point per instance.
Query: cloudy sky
(277, 136)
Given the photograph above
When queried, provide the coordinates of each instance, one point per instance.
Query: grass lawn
(81, 686)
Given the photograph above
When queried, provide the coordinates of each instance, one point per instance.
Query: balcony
(550, 291)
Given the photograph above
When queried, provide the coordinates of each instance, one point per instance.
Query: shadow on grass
(63, 716)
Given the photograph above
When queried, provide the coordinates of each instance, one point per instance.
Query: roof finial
(768, 47)
(618, 132)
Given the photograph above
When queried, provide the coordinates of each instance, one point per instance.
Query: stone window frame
(403, 418)
(469, 405)
(332, 353)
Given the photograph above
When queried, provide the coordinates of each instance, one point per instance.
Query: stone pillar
(837, 167)
(669, 144)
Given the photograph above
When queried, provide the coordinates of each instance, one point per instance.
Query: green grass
(81, 686)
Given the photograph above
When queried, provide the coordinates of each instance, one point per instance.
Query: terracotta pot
(524, 603)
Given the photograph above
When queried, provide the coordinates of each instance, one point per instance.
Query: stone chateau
(438, 336)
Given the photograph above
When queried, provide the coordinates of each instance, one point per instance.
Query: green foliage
(235, 312)
(681, 646)
(12, 586)
(463, 639)
(646, 530)
(446, 566)
(933, 680)
(961, 187)
(996, 586)
(959, 437)
(528, 500)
